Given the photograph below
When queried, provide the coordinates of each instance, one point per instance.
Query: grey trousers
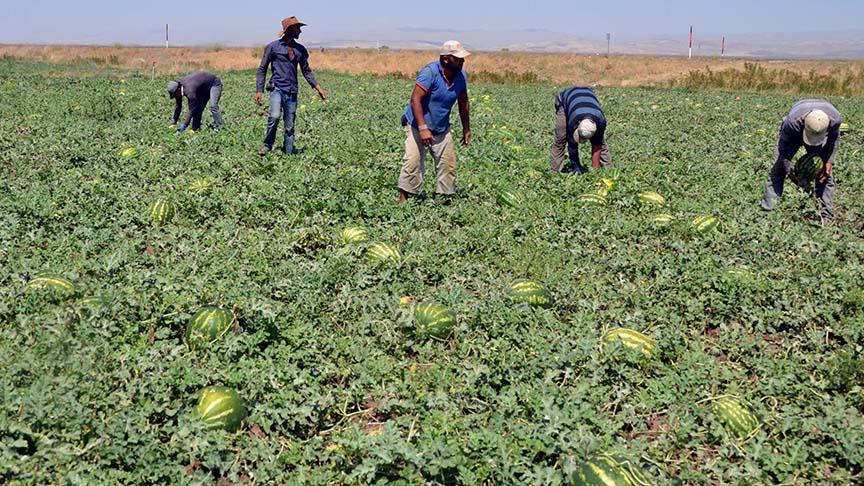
(564, 141)
(777, 177)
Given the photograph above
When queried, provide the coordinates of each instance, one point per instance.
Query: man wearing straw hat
(284, 56)
(438, 86)
(814, 125)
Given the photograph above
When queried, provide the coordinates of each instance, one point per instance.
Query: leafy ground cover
(98, 385)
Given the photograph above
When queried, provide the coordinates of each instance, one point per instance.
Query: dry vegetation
(830, 77)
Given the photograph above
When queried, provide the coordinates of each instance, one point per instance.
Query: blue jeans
(284, 105)
(215, 95)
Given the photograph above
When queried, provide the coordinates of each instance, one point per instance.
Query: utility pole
(690, 52)
(608, 43)
(166, 36)
(723, 47)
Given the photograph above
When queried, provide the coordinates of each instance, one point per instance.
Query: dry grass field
(831, 77)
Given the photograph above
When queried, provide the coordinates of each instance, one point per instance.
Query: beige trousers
(413, 167)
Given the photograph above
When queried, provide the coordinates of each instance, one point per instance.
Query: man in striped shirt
(579, 119)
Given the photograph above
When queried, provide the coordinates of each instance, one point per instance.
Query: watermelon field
(176, 309)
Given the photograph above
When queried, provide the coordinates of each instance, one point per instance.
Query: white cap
(454, 48)
(585, 131)
(816, 128)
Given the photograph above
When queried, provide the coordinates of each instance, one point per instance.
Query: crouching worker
(815, 125)
(438, 87)
(579, 119)
(198, 88)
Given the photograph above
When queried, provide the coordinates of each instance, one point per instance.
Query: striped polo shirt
(580, 102)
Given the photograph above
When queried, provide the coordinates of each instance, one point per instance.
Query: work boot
(264, 150)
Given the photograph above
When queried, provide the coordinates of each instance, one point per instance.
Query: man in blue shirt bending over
(579, 119)
(284, 55)
(438, 87)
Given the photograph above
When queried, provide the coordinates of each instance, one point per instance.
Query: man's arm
(310, 76)
(262, 74)
(190, 110)
(178, 108)
(465, 116)
(597, 145)
(596, 150)
(830, 150)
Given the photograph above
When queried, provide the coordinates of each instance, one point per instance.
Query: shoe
(264, 150)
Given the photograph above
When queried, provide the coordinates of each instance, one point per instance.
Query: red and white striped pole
(166, 36)
(690, 52)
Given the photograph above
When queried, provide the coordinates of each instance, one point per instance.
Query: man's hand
(258, 97)
(426, 137)
(321, 92)
(466, 138)
(826, 173)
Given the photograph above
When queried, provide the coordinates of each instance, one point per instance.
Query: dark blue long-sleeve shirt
(284, 67)
(196, 88)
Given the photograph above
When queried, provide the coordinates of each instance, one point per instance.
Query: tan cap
(585, 131)
(816, 128)
(288, 23)
(454, 48)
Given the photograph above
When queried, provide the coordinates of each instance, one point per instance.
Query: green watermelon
(50, 282)
(208, 325)
(606, 470)
(705, 223)
(434, 320)
(738, 420)
(512, 199)
(651, 198)
(662, 220)
(162, 211)
(380, 252)
(845, 128)
(220, 407)
(632, 339)
(808, 168)
(593, 198)
(129, 152)
(530, 292)
(353, 235)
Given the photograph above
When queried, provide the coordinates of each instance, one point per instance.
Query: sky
(230, 22)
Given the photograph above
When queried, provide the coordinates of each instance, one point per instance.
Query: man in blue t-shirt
(284, 55)
(438, 87)
(579, 119)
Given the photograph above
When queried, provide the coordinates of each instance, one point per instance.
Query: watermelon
(738, 420)
(434, 320)
(530, 292)
(208, 325)
(53, 283)
(353, 235)
(705, 223)
(808, 168)
(220, 407)
(662, 220)
(593, 198)
(632, 339)
(129, 153)
(651, 199)
(380, 252)
(512, 199)
(606, 470)
(844, 128)
(200, 186)
(162, 211)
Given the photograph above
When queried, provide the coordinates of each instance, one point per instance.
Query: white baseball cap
(454, 48)
(585, 131)
(816, 128)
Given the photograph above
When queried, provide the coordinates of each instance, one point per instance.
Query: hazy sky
(235, 22)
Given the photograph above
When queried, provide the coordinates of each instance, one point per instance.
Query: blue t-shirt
(439, 98)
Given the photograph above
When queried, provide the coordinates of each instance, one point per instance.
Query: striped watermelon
(632, 339)
(353, 235)
(593, 198)
(808, 168)
(220, 407)
(530, 292)
(845, 128)
(663, 220)
(705, 223)
(606, 470)
(55, 284)
(162, 211)
(738, 420)
(380, 252)
(605, 185)
(512, 199)
(129, 152)
(434, 320)
(208, 325)
(651, 198)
